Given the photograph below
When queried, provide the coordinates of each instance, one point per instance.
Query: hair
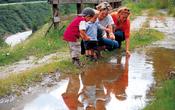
(123, 10)
(88, 12)
(103, 6)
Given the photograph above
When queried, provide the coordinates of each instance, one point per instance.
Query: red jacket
(125, 27)
(72, 33)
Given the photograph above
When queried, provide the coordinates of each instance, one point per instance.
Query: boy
(89, 29)
(72, 34)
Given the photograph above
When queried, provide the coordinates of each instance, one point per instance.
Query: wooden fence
(79, 3)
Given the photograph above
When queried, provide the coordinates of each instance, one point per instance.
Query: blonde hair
(103, 5)
(123, 10)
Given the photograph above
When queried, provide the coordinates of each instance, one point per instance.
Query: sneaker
(76, 62)
(93, 59)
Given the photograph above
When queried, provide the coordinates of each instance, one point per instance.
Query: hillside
(14, 1)
(17, 18)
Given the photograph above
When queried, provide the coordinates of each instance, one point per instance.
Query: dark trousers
(110, 44)
(119, 36)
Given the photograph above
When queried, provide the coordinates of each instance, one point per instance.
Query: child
(89, 29)
(71, 34)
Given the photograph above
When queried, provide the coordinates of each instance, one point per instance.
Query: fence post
(56, 18)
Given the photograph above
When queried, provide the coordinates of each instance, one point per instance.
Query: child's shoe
(76, 62)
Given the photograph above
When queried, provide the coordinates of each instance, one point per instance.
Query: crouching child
(72, 34)
(88, 29)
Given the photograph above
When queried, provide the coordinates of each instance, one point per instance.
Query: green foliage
(2, 43)
(17, 18)
(161, 3)
(37, 45)
(145, 37)
(165, 97)
(67, 8)
(137, 7)
(14, 1)
(171, 7)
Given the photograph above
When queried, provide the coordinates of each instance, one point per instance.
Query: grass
(37, 45)
(164, 97)
(144, 37)
(29, 77)
(137, 8)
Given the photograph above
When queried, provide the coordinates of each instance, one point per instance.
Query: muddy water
(120, 83)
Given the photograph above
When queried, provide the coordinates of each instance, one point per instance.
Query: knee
(119, 35)
(115, 44)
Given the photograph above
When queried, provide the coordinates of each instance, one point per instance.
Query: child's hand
(111, 36)
(107, 30)
(104, 36)
(87, 38)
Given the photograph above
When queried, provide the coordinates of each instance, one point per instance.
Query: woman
(107, 37)
(122, 27)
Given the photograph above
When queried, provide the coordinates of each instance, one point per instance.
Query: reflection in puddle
(130, 89)
(121, 84)
(51, 101)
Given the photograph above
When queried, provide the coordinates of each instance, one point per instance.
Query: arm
(82, 28)
(110, 27)
(127, 37)
(127, 40)
(111, 34)
(84, 35)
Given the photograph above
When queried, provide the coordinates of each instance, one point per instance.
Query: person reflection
(119, 85)
(91, 91)
(70, 97)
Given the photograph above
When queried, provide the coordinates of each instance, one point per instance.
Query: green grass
(137, 8)
(144, 37)
(29, 77)
(164, 97)
(37, 45)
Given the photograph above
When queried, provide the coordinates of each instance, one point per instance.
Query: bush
(14, 1)
(171, 7)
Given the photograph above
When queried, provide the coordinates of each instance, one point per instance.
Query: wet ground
(120, 83)
(31, 62)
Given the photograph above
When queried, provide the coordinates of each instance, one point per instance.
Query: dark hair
(88, 12)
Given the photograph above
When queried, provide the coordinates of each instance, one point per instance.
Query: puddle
(163, 62)
(17, 38)
(41, 99)
(120, 83)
